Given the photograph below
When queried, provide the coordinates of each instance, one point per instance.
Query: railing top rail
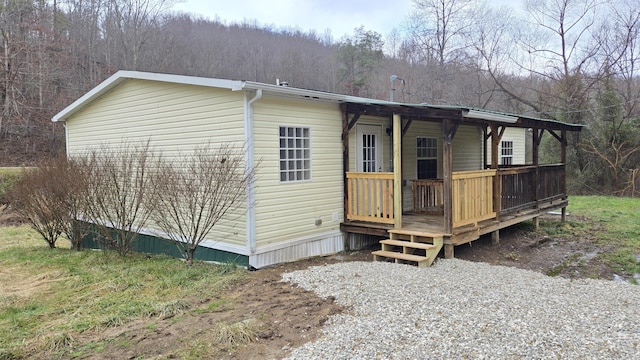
(517, 170)
(551, 166)
(527, 168)
(473, 174)
(370, 175)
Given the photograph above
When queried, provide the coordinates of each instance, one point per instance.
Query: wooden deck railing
(370, 196)
(518, 186)
(552, 182)
(427, 197)
(472, 197)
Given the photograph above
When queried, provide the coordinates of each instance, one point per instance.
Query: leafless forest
(569, 60)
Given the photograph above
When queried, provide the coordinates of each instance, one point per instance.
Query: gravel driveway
(459, 309)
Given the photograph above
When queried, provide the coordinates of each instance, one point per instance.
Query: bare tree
(198, 193)
(132, 23)
(556, 48)
(440, 27)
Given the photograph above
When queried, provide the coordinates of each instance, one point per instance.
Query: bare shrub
(39, 198)
(76, 199)
(196, 194)
(120, 189)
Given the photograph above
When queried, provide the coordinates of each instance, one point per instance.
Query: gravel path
(458, 309)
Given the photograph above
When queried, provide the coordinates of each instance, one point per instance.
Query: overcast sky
(341, 16)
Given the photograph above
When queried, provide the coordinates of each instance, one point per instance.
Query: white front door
(368, 148)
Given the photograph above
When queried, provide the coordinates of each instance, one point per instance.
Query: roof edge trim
(485, 115)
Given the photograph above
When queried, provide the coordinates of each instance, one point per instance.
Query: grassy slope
(48, 297)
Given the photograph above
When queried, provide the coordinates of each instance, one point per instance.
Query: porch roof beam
(433, 113)
(416, 113)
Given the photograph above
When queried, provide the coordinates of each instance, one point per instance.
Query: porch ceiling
(456, 113)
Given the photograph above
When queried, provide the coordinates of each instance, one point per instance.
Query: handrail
(370, 197)
(472, 196)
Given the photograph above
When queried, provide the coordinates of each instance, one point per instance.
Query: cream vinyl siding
(409, 155)
(175, 118)
(519, 138)
(172, 116)
(289, 210)
(467, 148)
(386, 141)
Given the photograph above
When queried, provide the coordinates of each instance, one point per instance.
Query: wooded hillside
(571, 60)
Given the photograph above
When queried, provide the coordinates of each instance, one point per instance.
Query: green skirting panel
(155, 245)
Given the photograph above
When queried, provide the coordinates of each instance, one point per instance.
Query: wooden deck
(434, 224)
(481, 202)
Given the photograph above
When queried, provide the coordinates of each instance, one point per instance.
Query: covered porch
(458, 205)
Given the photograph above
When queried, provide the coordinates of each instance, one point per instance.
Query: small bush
(51, 195)
(194, 197)
(120, 192)
(38, 197)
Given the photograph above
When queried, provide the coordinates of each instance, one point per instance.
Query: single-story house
(335, 171)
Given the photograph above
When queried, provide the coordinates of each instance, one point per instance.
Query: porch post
(563, 179)
(345, 169)
(485, 137)
(537, 137)
(397, 171)
(448, 132)
(496, 136)
(447, 169)
(345, 158)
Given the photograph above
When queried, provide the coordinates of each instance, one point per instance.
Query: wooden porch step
(409, 244)
(415, 233)
(421, 260)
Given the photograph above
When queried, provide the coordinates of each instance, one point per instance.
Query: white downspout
(249, 165)
(66, 139)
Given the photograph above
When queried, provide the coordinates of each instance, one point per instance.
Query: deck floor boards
(435, 224)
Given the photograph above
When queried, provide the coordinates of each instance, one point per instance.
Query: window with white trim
(506, 152)
(295, 153)
(427, 156)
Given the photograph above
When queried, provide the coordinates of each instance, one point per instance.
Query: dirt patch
(569, 257)
(279, 315)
